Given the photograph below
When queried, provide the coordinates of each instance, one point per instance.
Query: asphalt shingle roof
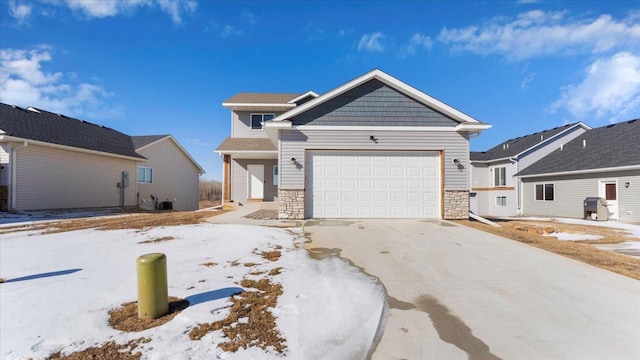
(63, 130)
(246, 144)
(142, 140)
(606, 147)
(261, 98)
(513, 147)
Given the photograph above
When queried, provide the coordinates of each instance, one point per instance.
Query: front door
(609, 191)
(255, 181)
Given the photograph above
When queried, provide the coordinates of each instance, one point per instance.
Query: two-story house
(373, 147)
(494, 190)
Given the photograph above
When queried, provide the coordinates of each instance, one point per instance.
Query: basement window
(501, 201)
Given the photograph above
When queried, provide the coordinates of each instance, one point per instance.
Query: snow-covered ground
(60, 288)
(574, 237)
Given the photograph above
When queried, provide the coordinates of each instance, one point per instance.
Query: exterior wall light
(293, 159)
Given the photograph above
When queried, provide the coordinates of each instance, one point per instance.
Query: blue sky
(163, 66)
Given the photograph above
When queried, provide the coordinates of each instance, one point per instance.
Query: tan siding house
(175, 174)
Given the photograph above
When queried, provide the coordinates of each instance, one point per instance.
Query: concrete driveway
(459, 293)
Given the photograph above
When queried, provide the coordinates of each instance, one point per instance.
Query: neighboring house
(170, 174)
(494, 190)
(51, 161)
(373, 147)
(603, 162)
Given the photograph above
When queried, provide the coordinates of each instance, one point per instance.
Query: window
(500, 176)
(276, 175)
(544, 192)
(145, 175)
(257, 119)
(501, 201)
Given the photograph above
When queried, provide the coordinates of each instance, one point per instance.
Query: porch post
(227, 179)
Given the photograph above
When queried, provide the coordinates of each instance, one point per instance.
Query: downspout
(14, 176)
(518, 187)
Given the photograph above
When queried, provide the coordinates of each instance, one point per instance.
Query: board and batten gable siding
(571, 190)
(174, 176)
(536, 154)
(5, 166)
(241, 124)
(293, 144)
(373, 104)
(48, 178)
(240, 176)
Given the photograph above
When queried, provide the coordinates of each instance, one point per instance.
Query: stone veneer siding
(290, 204)
(456, 204)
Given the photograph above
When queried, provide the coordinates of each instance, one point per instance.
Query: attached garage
(373, 184)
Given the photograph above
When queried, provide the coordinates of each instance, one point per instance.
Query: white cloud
(610, 89)
(416, 40)
(107, 8)
(230, 30)
(24, 82)
(249, 17)
(372, 42)
(19, 11)
(527, 79)
(540, 33)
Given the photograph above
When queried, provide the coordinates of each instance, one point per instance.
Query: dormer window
(257, 119)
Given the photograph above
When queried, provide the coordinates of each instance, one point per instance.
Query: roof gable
(372, 103)
(522, 144)
(611, 146)
(142, 142)
(40, 125)
(392, 83)
(145, 140)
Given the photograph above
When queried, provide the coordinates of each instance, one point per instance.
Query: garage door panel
(373, 184)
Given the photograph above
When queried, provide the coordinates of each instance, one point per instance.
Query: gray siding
(241, 124)
(293, 143)
(175, 177)
(48, 178)
(570, 192)
(539, 153)
(373, 104)
(239, 177)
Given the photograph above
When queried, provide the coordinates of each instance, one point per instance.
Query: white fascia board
(375, 128)
(71, 148)
(578, 172)
(473, 127)
(257, 105)
(308, 93)
(388, 80)
(283, 124)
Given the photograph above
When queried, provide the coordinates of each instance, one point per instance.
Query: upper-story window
(500, 176)
(257, 119)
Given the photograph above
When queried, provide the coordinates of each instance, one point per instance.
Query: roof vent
(561, 147)
(584, 143)
(31, 108)
(541, 137)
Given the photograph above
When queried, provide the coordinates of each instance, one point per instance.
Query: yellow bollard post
(153, 293)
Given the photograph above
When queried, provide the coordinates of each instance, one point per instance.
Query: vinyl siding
(175, 177)
(241, 124)
(570, 192)
(5, 167)
(483, 181)
(373, 104)
(48, 178)
(293, 143)
(529, 158)
(239, 177)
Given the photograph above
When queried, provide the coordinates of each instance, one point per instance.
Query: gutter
(14, 158)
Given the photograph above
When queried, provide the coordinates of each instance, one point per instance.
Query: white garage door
(349, 184)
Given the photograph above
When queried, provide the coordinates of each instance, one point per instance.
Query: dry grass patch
(271, 255)
(108, 351)
(250, 322)
(275, 271)
(138, 221)
(125, 318)
(209, 264)
(533, 233)
(250, 264)
(234, 263)
(160, 239)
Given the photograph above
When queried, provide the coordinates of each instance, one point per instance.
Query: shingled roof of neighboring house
(246, 144)
(616, 145)
(44, 126)
(144, 140)
(261, 98)
(513, 147)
